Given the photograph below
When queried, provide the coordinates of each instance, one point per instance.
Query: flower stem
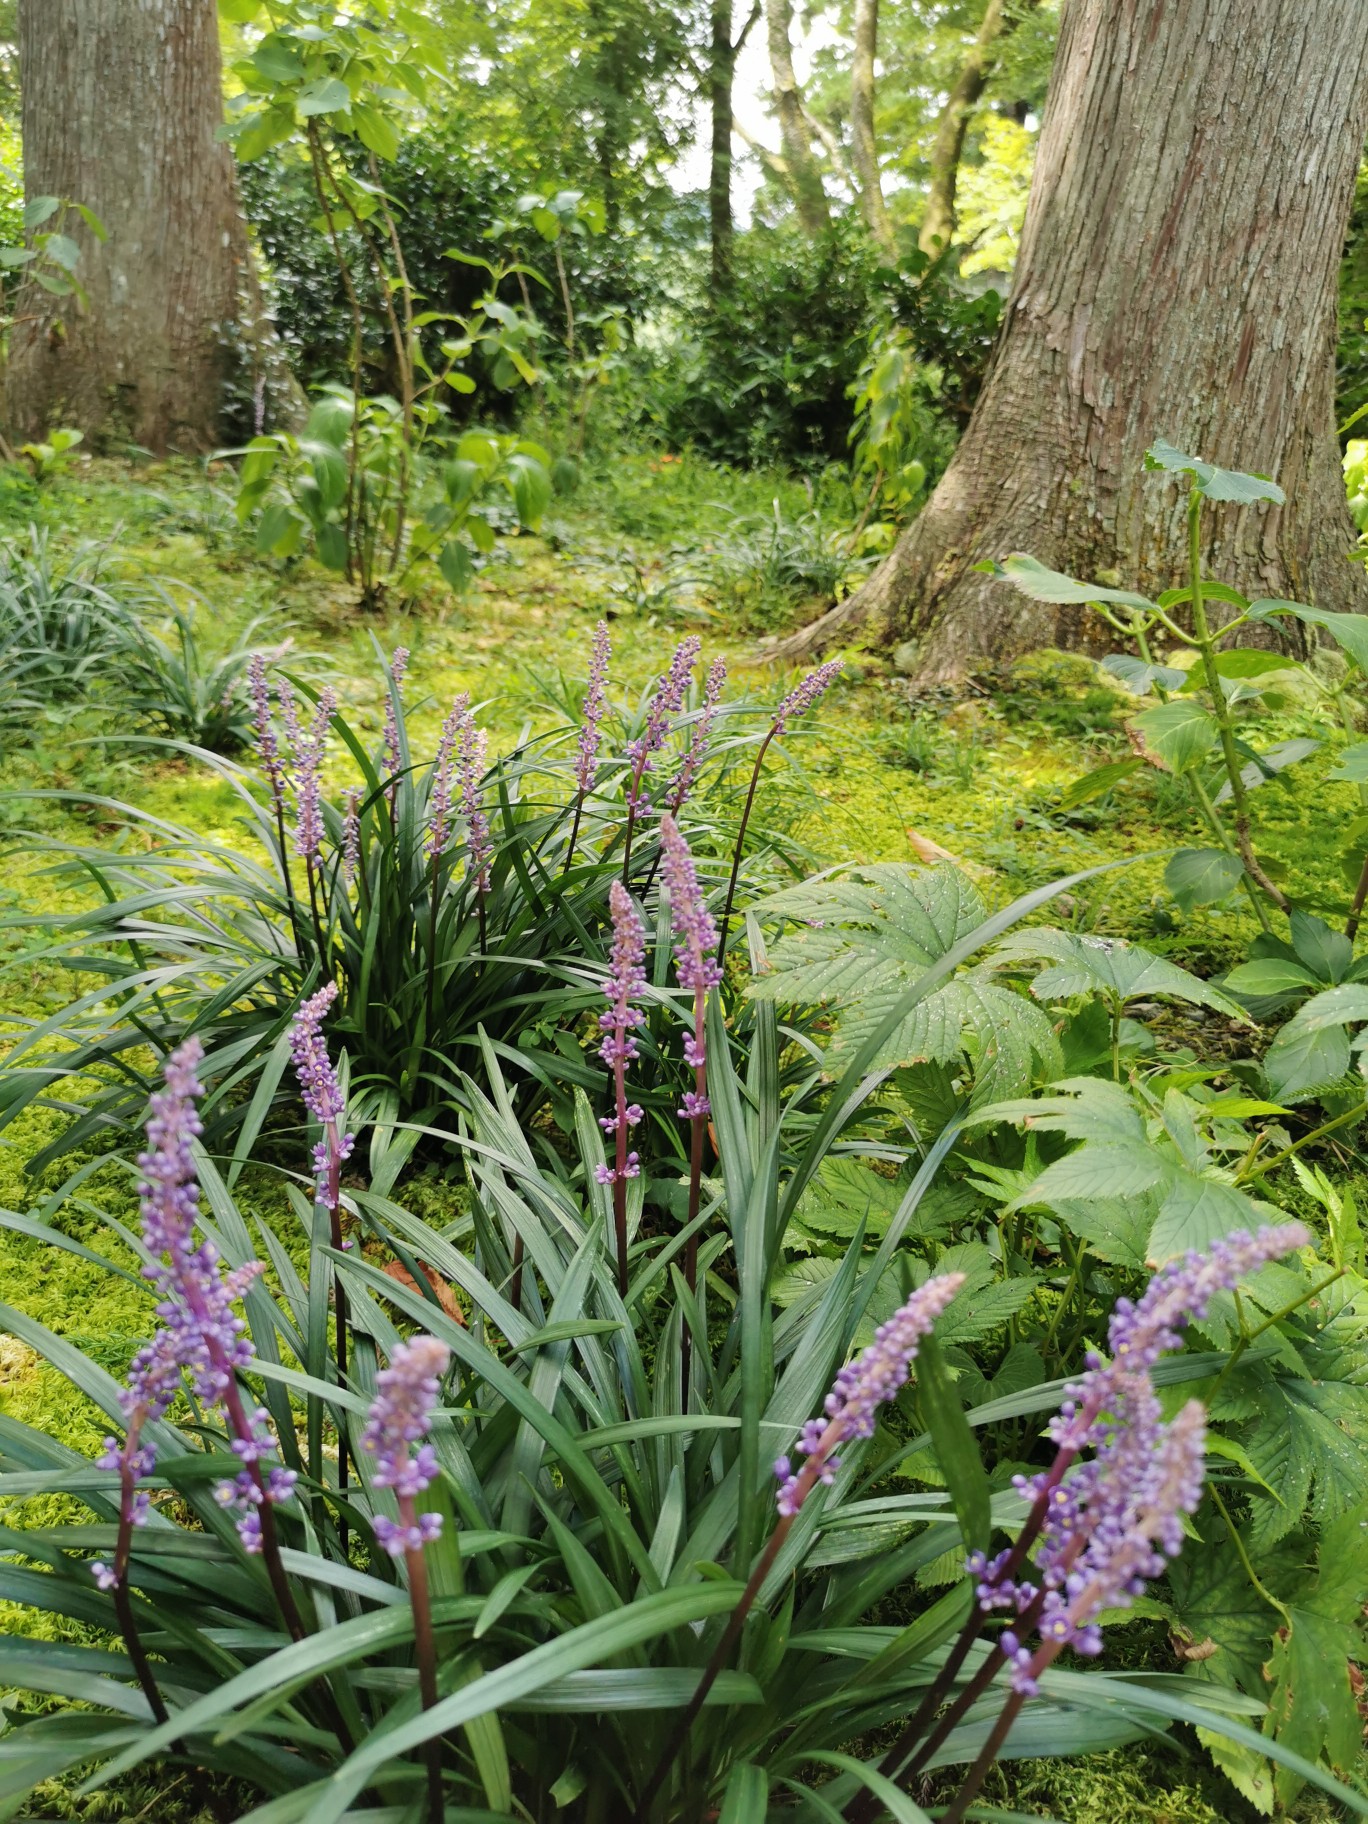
(740, 840)
(426, 1652)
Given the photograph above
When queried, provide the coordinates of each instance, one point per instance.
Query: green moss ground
(978, 777)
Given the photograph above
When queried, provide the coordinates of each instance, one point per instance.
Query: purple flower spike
(472, 750)
(695, 932)
(692, 764)
(200, 1336)
(322, 1092)
(439, 802)
(805, 693)
(267, 746)
(400, 1416)
(626, 982)
(351, 836)
(595, 702)
(394, 758)
(308, 759)
(664, 706)
(1108, 1525)
(860, 1388)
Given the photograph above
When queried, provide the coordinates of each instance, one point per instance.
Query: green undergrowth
(881, 774)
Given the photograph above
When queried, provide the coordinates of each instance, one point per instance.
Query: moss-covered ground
(878, 775)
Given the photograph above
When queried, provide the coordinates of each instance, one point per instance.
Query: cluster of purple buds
(1111, 1524)
(595, 703)
(695, 948)
(391, 747)
(665, 705)
(805, 693)
(626, 982)
(244, 1494)
(267, 745)
(859, 1390)
(307, 753)
(321, 1090)
(439, 803)
(472, 752)
(351, 836)
(692, 764)
(400, 1417)
(201, 1337)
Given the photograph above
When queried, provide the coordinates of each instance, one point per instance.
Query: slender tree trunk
(721, 74)
(794, 129)
(865, 147)
(1177, 278)
(938, 223)
(121, 103)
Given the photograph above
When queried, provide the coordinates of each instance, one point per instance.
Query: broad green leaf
(1349, 631)
(40, 209)
(1120, 970)
(1268, 764)
(1032, 578)
(1195, 1212)
(1214, 483)
(1352, 765)
(1175, 736)
(329, 95)
(1139, 674)
(1201, 877)
(1271, 975)
(278, 60)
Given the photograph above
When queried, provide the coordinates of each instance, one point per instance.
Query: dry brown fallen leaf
(446, 1298)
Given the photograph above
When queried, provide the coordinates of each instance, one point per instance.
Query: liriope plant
(552, 1555)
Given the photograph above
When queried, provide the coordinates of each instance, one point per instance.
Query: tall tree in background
(795, 128)
(723, 53)
(121, 103)
(1177, 278)
(864, 146)
(1000, 18)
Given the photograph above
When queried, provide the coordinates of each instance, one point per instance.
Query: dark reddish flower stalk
(400, 1416)
(626, 981)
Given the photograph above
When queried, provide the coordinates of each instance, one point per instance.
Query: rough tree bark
(722, 57)
(864, 147)
(952, 123)
(121, 102)
(795, 129)
(1176, 278)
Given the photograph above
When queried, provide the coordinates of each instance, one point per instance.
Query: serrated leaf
(1174, 736)
(1195, 1212)
(1201, 877)
(1102, 1169)
(1112, 966)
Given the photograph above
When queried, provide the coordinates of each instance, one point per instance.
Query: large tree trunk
(865, 151)
(938, 221)
(721, 79)
(1177, 279)
(795, 130)
(121, 102)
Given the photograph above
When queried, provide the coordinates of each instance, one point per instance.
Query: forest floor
(659, 549)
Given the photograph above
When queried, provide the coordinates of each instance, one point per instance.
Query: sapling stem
(1206, 643)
